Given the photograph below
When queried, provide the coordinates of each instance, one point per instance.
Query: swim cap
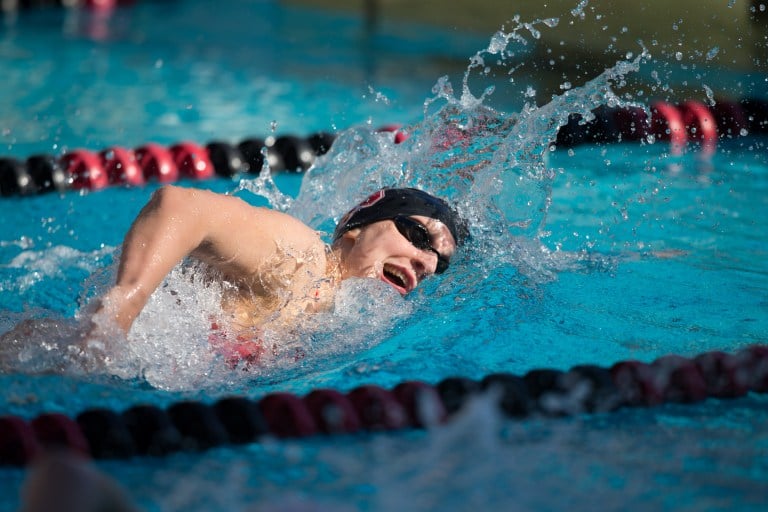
(388, 203)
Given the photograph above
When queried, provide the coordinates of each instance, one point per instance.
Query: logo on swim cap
(369, 201)
(373, 199)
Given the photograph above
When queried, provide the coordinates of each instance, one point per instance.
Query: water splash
(465, 150)
(52, 263)
(578, 11)
(264, 185)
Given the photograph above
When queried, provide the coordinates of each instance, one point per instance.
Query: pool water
(641, 253)
(184, 74)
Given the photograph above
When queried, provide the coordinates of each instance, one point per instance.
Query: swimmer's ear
(348, 238)
(352, 234)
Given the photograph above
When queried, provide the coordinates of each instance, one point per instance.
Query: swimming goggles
(418, 235)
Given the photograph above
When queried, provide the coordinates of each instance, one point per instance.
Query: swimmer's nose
(424, 264)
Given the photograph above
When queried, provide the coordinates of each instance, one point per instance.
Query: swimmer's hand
(100, 337)
(11, 340)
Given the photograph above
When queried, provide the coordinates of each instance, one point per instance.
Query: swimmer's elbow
(183, 208)
(169, 198)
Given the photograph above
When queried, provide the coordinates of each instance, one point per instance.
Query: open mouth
(396, 277)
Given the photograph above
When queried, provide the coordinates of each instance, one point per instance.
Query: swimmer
(275, 267)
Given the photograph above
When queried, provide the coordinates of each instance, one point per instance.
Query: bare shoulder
(225, 214)
(239, 238)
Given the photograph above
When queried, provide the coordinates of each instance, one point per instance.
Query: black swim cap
(388, 203)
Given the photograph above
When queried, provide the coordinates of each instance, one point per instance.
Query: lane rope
(691, 124)
(148, 430)
(117, 166)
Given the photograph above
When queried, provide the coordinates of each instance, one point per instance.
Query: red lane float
(122, 167)
(101, 5)
(157, 163)
(84, 170)
(333, 412)
(192, 161)
(104, 6)
(287, 415)
(700, 124)
(680, 378)
(722, 374)
(58, 431)
(421, 403)
(637, 384)
(667, 124)
(377, 408)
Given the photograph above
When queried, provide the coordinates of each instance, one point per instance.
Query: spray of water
(492, 165)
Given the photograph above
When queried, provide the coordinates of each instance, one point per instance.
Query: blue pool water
(647, 254)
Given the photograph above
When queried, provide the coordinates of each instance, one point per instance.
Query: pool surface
(583, 255)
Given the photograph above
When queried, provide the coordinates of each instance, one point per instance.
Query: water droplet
(710, 94)
(498, 43)
(578, 11)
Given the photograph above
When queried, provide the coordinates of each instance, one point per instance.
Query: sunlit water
(592, 255)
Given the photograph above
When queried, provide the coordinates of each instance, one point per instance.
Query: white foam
(53, 263)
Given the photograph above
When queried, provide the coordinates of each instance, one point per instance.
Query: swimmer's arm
(224, 231)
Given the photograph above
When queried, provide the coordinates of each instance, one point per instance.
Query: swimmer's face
(382, 250)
